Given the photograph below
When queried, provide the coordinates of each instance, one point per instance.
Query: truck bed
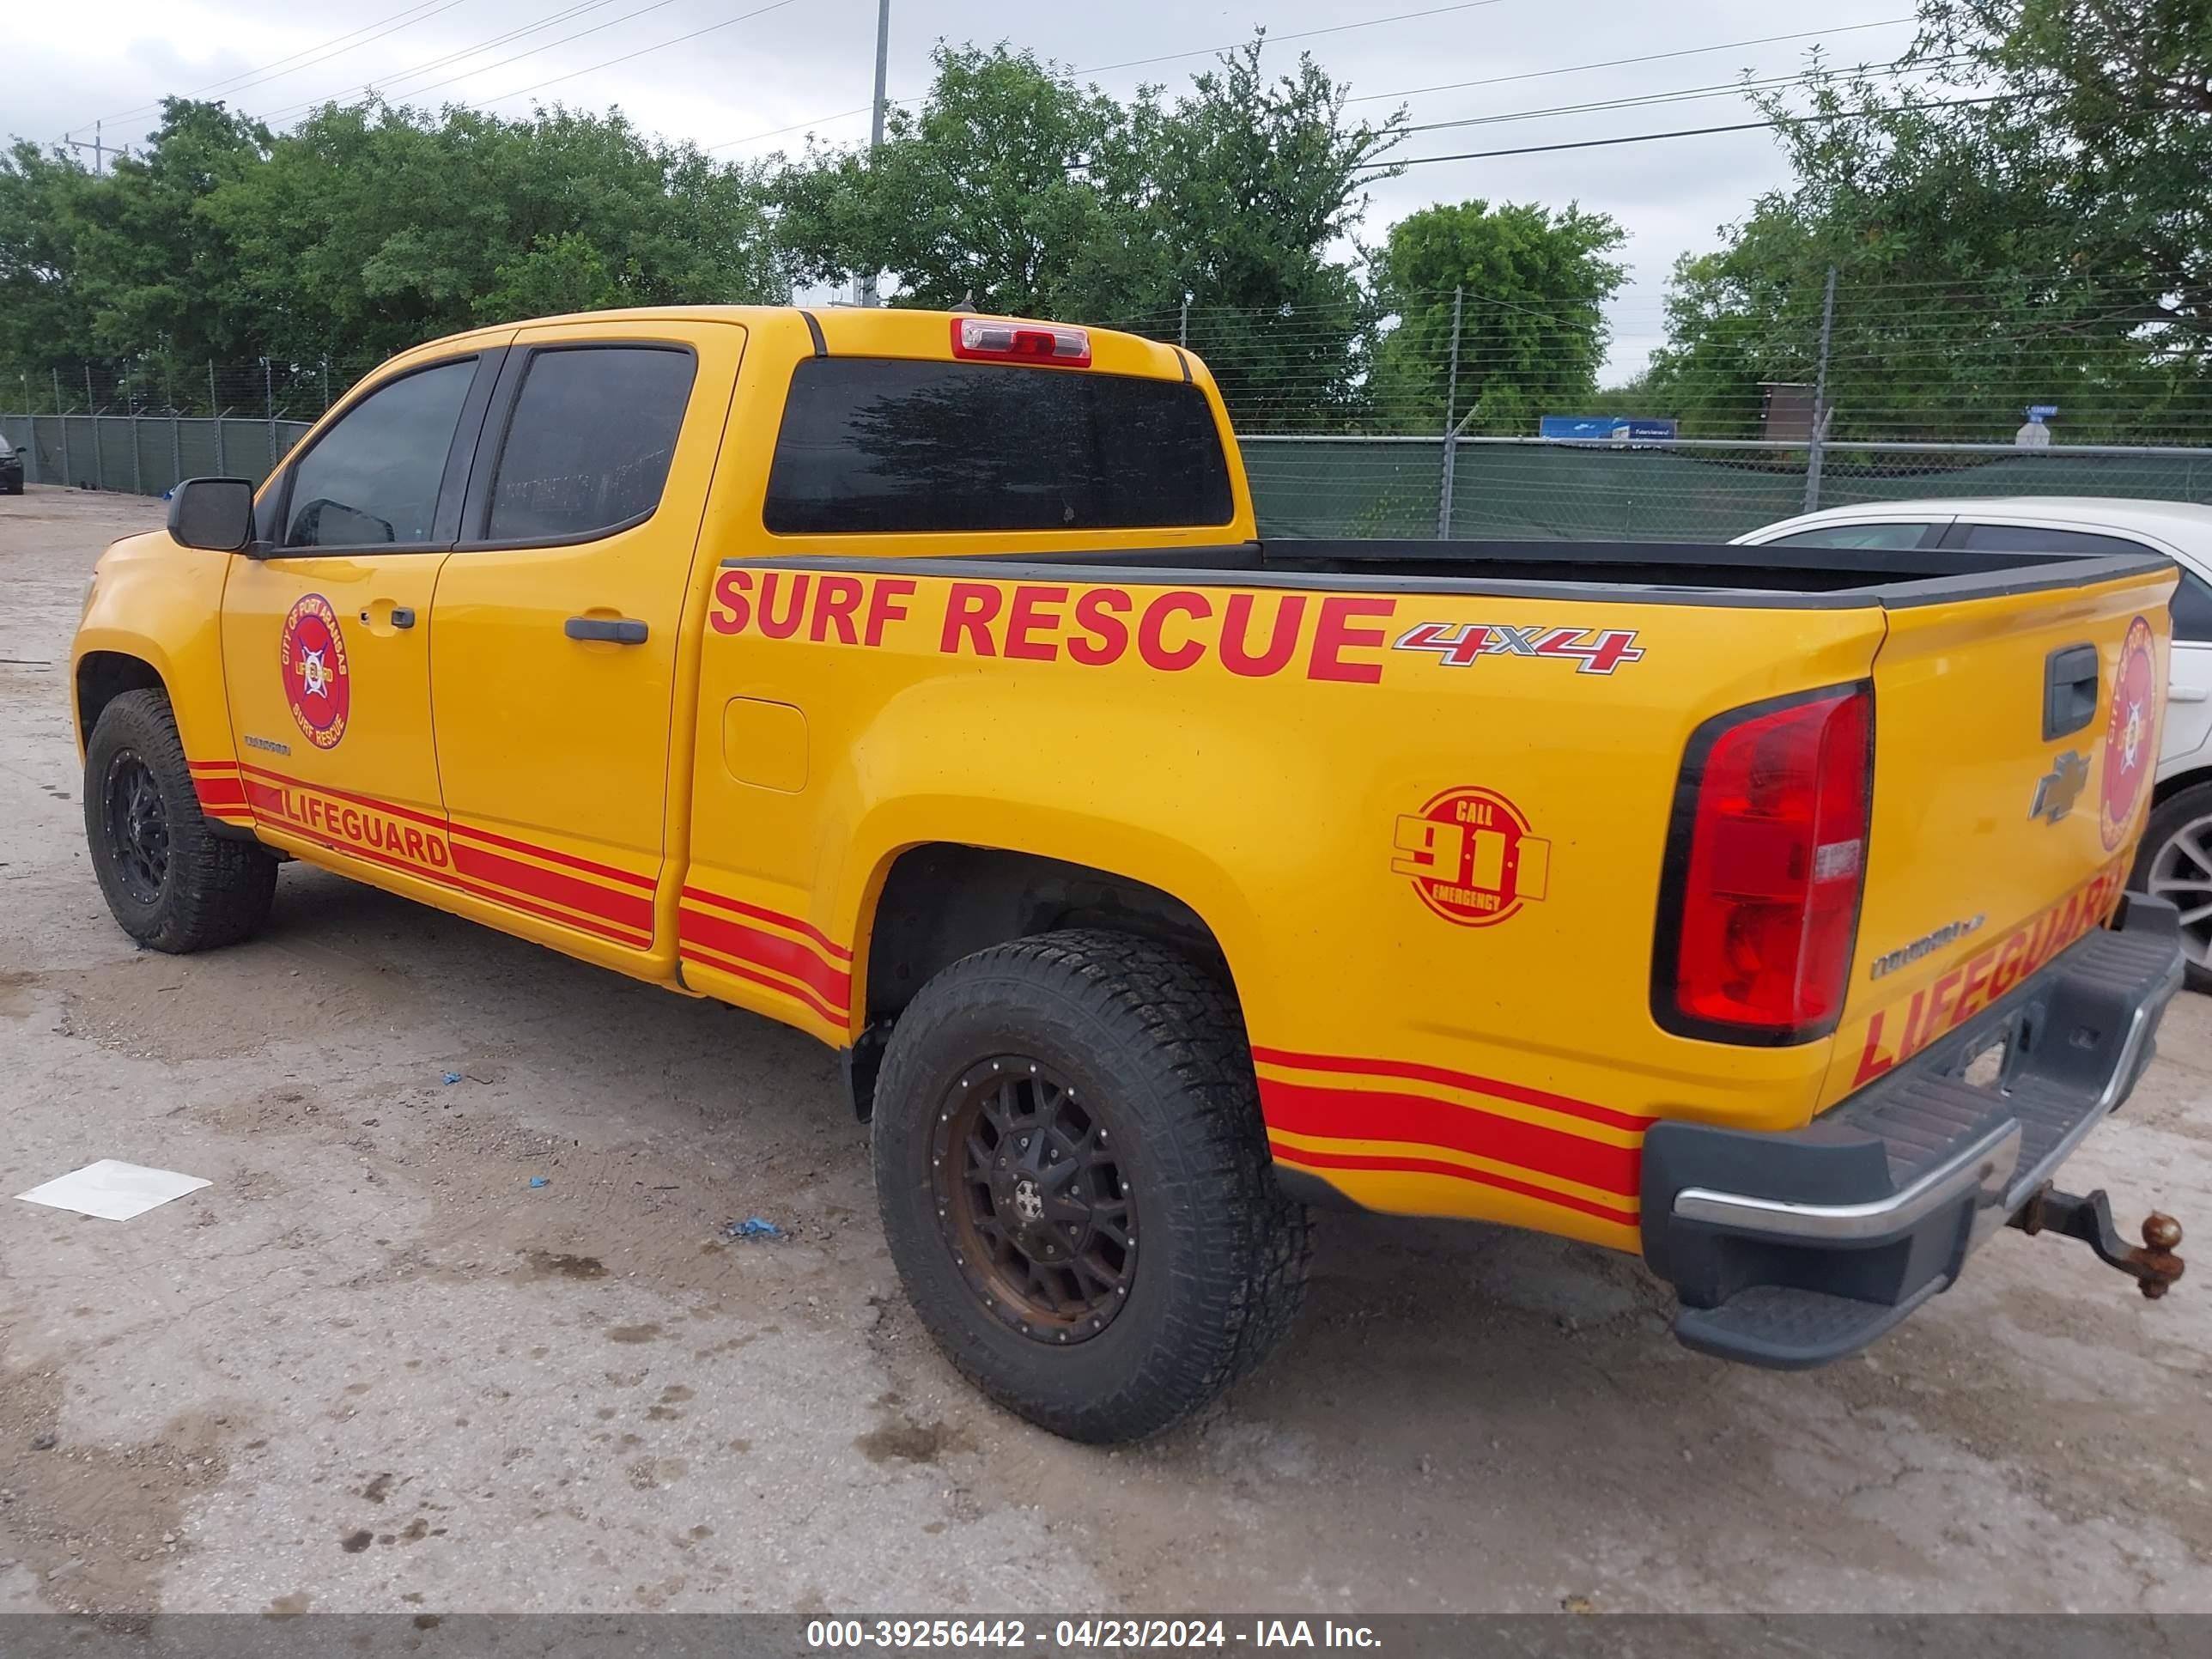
(1653, 572)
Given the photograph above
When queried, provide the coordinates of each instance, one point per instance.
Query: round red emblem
(2130, 737)
(317, 681)
(1471, 856)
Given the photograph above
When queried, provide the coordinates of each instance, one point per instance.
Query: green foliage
(2052, 244)
(362, 231)
(1532, 332)
(1012, 190)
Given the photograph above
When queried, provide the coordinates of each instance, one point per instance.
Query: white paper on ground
(113, 1190)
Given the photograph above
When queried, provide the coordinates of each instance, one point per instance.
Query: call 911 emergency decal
(1471, 858)
(318, 683)
(2129, 747)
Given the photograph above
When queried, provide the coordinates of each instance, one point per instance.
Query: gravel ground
(371, 1368)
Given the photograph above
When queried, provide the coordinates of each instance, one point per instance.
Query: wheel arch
(938, 902)
(105, 675)
(2167, 788)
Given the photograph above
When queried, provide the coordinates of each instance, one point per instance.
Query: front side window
(372, 479)
(883, 445)
(588, 445)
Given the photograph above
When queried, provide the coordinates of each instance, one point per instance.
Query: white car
(2176, 859)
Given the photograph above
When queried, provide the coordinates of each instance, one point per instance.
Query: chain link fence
(1533, 489)
(1419, 415)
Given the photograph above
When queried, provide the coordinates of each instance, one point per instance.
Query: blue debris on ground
(537, 1182)
(753, 1227)
(453, 1077)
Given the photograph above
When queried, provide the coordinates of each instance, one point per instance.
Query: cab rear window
(883, 445)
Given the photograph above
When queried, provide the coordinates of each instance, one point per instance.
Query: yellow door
(326, 656)
(553, 638)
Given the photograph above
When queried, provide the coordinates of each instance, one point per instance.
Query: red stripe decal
(1354, 1114)
(628, 878)
(1300, 1155)
(268, 801)
(211, 766)
(788, 956)
(759, 913)
(409, 812)
(1488, 1086)
(633, 911)
(797, 993)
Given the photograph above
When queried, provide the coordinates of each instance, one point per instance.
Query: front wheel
(170, 881)
(1074, 1183)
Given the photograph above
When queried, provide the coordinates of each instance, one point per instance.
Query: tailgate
(2016, 741)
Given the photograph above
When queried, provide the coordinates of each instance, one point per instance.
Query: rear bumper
(1791, 1250)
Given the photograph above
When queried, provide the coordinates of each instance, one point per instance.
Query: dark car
(11, 468)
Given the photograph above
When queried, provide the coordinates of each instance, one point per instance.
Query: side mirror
(214, 513)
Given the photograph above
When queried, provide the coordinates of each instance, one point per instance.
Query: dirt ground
(373, 1368)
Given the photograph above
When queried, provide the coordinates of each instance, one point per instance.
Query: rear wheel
(170, 881)
(1074, 1183)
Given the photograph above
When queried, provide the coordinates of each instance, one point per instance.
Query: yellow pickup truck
(919, 681)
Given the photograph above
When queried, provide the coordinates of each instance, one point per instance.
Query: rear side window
(372, 479)
(1855, 535)
(588, 445)
(876, 444)
(2192, 609)
(2035, 538)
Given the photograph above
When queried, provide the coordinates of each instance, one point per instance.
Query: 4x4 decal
(1592, 650)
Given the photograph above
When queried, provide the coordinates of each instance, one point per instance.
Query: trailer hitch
(2152, 1264)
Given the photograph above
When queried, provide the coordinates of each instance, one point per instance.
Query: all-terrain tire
(212, 890)
(1154, 1044)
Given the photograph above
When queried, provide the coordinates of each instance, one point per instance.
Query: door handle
(2180, 693)
(2069, 690)
(403, 616)
(622, 632)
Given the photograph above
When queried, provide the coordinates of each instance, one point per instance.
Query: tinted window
(871, 444)
(2034, 538)
(2192, 609)
(1855, 535)
(372, 478)
(589, 443)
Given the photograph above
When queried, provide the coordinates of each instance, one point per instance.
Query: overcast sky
(807, 65)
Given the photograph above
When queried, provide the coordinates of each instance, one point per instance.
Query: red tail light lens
(1767, 861)
(1021, 343)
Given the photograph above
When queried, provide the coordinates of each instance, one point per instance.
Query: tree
(1533, 286)
(1009, 191)
(2047, 241)
(1012, 190)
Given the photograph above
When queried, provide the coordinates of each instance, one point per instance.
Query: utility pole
(99, 149)
(863, 287)
(1182, 324)
(1820, 411)
(1451, 430)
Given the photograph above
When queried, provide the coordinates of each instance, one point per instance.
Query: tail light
(1765, 862)
(1021, 343)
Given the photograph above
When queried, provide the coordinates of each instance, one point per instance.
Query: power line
(608, 63)
(1141, 62)
(1302, 34)
(1685, 132)
(440, 62)
(247, 75)
(1682, 95)
(1625, 62)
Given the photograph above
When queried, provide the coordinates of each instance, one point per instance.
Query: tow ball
(2152, 1264)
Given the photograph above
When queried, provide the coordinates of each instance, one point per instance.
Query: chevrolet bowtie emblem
(2055, 790)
